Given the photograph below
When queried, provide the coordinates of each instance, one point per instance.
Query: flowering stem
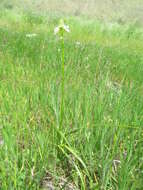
(60, 30)
(62, 82)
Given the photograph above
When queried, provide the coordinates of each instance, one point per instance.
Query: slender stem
(62, 82)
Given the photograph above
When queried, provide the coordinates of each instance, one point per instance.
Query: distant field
(110, 10)
(99, 145)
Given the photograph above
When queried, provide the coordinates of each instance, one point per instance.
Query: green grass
(103, 112)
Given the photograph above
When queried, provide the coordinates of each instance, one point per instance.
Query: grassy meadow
(100, 143)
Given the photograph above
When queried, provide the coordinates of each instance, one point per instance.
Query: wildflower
(31, 35)
(61, 28)
(77, 43)
(1, 142)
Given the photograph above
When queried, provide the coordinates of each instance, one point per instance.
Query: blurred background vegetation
(120, 11)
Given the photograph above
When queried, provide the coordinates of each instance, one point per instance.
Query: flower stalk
(60, 30)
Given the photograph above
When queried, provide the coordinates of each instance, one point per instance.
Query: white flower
(66, 28)
(77, 43)
(31, 35)
(1, 142)
(62, 27)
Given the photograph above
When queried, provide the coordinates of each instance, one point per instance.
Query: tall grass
(103, 115)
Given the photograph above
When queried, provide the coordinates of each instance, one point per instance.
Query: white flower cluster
(31, 35)
(62, 27)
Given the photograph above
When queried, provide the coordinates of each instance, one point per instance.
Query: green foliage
(103, 115)
(33, 18)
